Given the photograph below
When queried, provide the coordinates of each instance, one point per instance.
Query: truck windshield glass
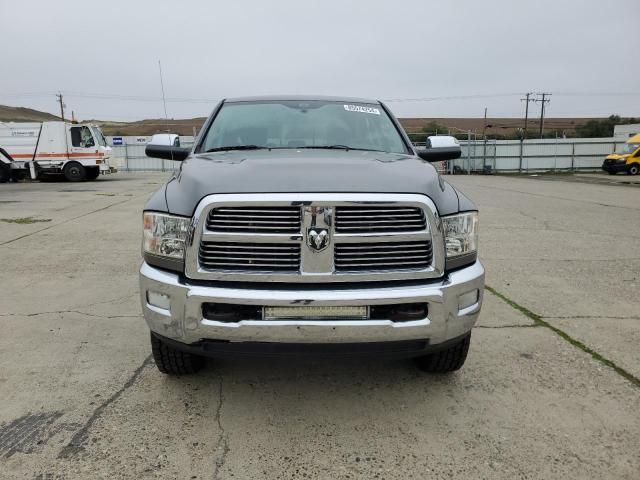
(629, 147)
(98, 134)
(303, 124)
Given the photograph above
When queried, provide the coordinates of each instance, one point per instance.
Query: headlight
(164, 238)
(461, 238)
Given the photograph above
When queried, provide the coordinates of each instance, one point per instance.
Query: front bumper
(184, 322)
(614, 167)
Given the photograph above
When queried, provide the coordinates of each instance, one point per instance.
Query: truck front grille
(250, 256)
(255, 219)
(361, 219)
(315, 238)
(382, 256)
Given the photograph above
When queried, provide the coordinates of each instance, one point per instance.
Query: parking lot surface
(550, 388)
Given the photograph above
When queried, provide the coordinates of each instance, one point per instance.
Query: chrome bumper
(183, 320)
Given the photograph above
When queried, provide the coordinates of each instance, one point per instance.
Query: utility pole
(484, 124)
(62, 105)
(526, 110)
(542, 100)
(484, 141)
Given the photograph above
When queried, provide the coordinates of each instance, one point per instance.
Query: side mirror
(167, 152)
(439, 148)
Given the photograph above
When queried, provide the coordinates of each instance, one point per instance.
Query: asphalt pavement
(551, 388)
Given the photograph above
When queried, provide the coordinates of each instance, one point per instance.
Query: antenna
(164, 102)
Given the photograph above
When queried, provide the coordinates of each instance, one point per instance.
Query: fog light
(159, 300)
(467, 299)
(309, 312)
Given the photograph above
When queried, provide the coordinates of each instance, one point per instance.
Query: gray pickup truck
(309, 225)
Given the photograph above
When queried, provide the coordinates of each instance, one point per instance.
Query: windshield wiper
(235, 147)
(340, 147)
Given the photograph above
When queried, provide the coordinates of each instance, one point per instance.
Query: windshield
(629, 147)
(98, 134)
(303, 124)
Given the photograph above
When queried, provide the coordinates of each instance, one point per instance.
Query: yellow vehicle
(627, 160)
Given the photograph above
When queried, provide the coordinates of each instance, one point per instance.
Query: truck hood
(291, 170)
(617, 156)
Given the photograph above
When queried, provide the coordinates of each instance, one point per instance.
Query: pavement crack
(587, 317)
(113, 300)
(223, 440)
(59, 312)
(539, 320)
(80, 437)
(508, 326)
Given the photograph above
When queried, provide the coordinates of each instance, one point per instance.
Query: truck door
(82, 145)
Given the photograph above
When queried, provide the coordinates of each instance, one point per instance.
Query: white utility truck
(79, 151)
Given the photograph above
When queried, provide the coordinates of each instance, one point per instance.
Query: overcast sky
(103, 56)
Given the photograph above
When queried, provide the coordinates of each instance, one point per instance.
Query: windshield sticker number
(361, 109)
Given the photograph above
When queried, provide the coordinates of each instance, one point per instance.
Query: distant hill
(420, 126)
(494, 126)
(151, 126)
(22, 114)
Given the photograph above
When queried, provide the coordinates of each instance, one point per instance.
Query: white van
(170, 139)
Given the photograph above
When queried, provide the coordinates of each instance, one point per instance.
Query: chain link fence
(560, 154)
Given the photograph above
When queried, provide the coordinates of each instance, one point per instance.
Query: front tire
(93, 173)
(447, 360)
(74, 172)
(634, 169)
(5, 173)
(171, 361)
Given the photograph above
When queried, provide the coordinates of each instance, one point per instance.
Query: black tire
(174, 362)
(74, 172)
(5, 173)
(448, 360)
(93, 173)
(634, 169)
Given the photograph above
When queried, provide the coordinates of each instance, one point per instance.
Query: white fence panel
(499, 155)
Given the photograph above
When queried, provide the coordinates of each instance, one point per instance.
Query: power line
(143, 98)
(449, 97)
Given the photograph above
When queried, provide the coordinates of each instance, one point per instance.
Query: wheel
(5, 173)
(634, 169)
(448, 360)
(174, 362)
(74, 172)
(93, 173)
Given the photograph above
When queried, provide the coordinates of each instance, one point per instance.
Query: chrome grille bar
(372, 256)
(230, 256)
(255, 219)
(365, 219)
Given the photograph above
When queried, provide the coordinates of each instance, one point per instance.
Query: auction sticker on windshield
(361, 109)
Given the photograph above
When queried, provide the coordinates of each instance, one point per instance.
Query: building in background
(622, 132)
